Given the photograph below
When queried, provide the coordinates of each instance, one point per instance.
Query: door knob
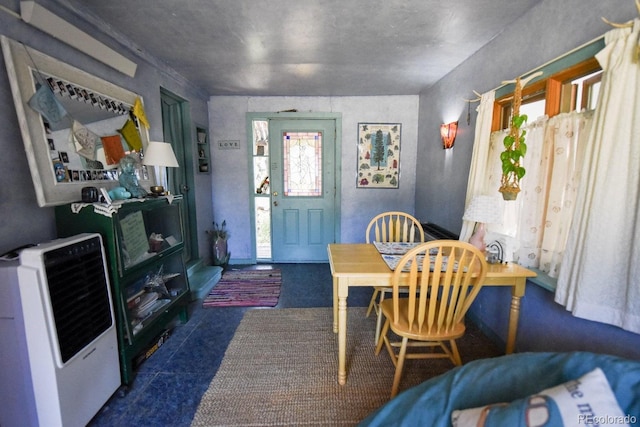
(275, 203)
(275, 193)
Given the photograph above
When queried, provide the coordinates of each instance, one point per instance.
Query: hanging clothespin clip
(469, 101)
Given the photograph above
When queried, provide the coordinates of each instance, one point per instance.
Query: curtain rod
(539, 68)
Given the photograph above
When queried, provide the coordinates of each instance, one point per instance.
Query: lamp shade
(160, 154)
(484, 209)
(448, 133)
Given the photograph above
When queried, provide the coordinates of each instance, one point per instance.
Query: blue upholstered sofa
(512, 379)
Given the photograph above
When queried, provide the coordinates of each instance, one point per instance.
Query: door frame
(187, 133)
(337, 118)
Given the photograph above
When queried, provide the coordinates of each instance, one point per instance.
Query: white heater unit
(59, 355)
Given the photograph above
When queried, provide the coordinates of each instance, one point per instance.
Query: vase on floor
(220, 252)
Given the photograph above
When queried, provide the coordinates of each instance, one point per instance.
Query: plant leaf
(518, 121)
(508, 141)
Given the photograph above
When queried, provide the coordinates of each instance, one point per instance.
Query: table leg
(343, 290)
(514, 315)
(517, 292)
(335, 305)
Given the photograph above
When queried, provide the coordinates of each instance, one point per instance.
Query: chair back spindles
(439, 298)
(394, 227)
(438, 280)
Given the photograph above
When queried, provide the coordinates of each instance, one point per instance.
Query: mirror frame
(21, 63)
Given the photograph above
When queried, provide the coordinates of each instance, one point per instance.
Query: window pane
(260, 174)
(260, 138)
(533, 110)
(263, 227)
(302, 163)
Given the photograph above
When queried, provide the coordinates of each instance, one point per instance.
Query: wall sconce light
(448, 132)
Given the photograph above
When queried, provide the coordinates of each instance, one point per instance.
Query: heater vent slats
(79, 295)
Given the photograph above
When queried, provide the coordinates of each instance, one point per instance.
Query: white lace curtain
(539, 219)
(600, 275)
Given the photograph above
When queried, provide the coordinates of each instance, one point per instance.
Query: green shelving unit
(148, 278)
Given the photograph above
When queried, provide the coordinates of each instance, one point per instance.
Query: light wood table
(360, 264)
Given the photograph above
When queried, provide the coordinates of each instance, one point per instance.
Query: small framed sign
(228, 144)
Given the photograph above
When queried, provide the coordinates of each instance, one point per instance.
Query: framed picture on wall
(378, 155)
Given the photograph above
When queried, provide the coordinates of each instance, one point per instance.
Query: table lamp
(482, 210)
(160, 154)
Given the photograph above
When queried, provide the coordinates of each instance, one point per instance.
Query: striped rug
(246, 288)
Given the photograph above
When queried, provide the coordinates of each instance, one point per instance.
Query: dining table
(362, 264)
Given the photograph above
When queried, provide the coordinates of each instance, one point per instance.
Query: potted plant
(219, 236)
(514, 150)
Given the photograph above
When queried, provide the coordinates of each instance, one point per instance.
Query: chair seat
(402, 327)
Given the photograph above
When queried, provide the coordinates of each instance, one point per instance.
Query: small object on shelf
(128, 178)
(155, 242)
(155, 282)
(147, 301)
(156, 344)
(157, 190)
(89, 194)
(202, 137)
(118, 193)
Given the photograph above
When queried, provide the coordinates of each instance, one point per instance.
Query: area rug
(246, 288)
(281, 369)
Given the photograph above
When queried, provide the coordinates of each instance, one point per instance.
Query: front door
(303, 182)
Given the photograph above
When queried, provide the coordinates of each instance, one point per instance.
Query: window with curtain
(578, 214)
(540, 217)
(560, 110)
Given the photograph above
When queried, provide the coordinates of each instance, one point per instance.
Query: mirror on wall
(75, 126)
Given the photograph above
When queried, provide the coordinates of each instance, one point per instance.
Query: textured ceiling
(308, 47)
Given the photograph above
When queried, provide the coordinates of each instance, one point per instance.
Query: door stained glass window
(302, 155)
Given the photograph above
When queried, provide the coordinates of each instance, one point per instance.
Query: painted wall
(549, 30)
(22, 220)
(231, 167)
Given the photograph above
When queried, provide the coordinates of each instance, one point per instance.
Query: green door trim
(337, 118)
(192, 251)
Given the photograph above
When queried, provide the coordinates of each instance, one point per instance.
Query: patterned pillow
(588, 400)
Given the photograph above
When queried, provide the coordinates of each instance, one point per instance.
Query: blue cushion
(505, 379)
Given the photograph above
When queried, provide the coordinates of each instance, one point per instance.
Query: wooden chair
(433, 312)
(390, 226)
